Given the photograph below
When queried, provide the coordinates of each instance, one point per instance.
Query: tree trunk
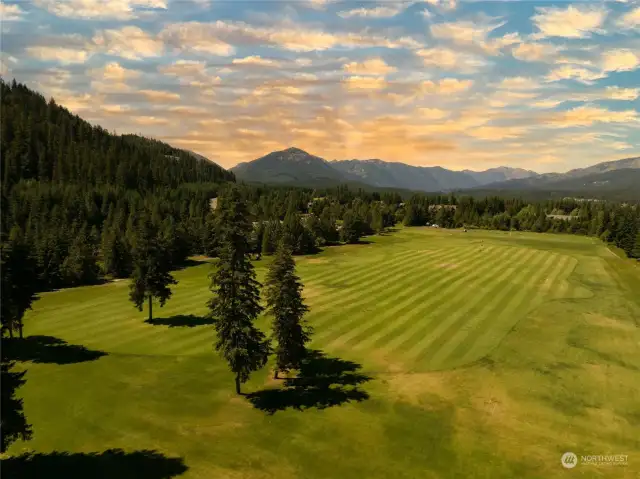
(275, 373)
(238, 383)
(20, 326)
(11, 331)
(150, 308)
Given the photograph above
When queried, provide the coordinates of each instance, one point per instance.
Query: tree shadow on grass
(322, 382)
(47, 349)
(110, 464)
(181, 321)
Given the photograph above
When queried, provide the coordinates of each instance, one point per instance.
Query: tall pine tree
(285, 304)
(151, 267)
(19, 281)
(236, 301)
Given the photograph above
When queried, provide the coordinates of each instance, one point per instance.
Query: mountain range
(294, 166)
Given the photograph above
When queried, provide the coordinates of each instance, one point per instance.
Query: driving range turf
(437, 353)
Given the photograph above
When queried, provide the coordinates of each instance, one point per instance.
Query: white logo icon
(569, 460)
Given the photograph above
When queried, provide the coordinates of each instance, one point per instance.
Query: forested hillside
(72, 193)
(43, 141)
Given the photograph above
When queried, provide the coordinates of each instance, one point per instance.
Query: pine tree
(151, 267)
(116, 258)
(236, 301)
(285, 304)
(19, 281)
(626, 232)
(377, 222)
(350, 231)
(411, 217)
(292, 231)
(328, 226)
(635, 253)
(80, 267)
(266, 240)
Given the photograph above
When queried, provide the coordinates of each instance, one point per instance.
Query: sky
(547, 86)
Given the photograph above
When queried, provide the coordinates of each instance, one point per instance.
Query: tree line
(612, 222)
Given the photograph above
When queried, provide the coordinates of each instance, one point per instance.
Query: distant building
(439, 207)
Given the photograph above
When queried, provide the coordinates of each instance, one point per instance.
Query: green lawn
(452, 354)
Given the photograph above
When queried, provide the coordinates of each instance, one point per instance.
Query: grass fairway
(479, 354)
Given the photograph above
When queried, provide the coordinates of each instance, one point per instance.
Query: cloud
(615, 93)
(372, 66)
(216, 37)
(129, 42)
(318, 4)
(198, 37)
(383, 11)
(432, 113)
(630, 20)
(568, 72)
(472, 33)
(184, 68)
(620, 145)
(446, 87)
(149, 120)
(274, 93)
(518, 83)
(115, 109)
(190, 110)
(620, 60)
(10, 13)
(112, 78)
(73, 101)
(443, 4)
(570, 22)
(452, 60)
(506, 98)
(256, 60)
(113, 71)
(535, 52)
(62, 55)
(99, 9)
(365, 83)
(615, 60)
(305, 76)
(158, 96)
(589, 115)
(608, 93)
(494, 133)
(194, 74)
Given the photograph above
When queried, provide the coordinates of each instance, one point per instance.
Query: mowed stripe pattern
(419, 304)
(435, 309)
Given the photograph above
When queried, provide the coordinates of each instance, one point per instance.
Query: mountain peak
(292, 165)
(293, 149)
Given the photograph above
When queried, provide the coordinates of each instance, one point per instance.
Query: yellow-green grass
(490, 354)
